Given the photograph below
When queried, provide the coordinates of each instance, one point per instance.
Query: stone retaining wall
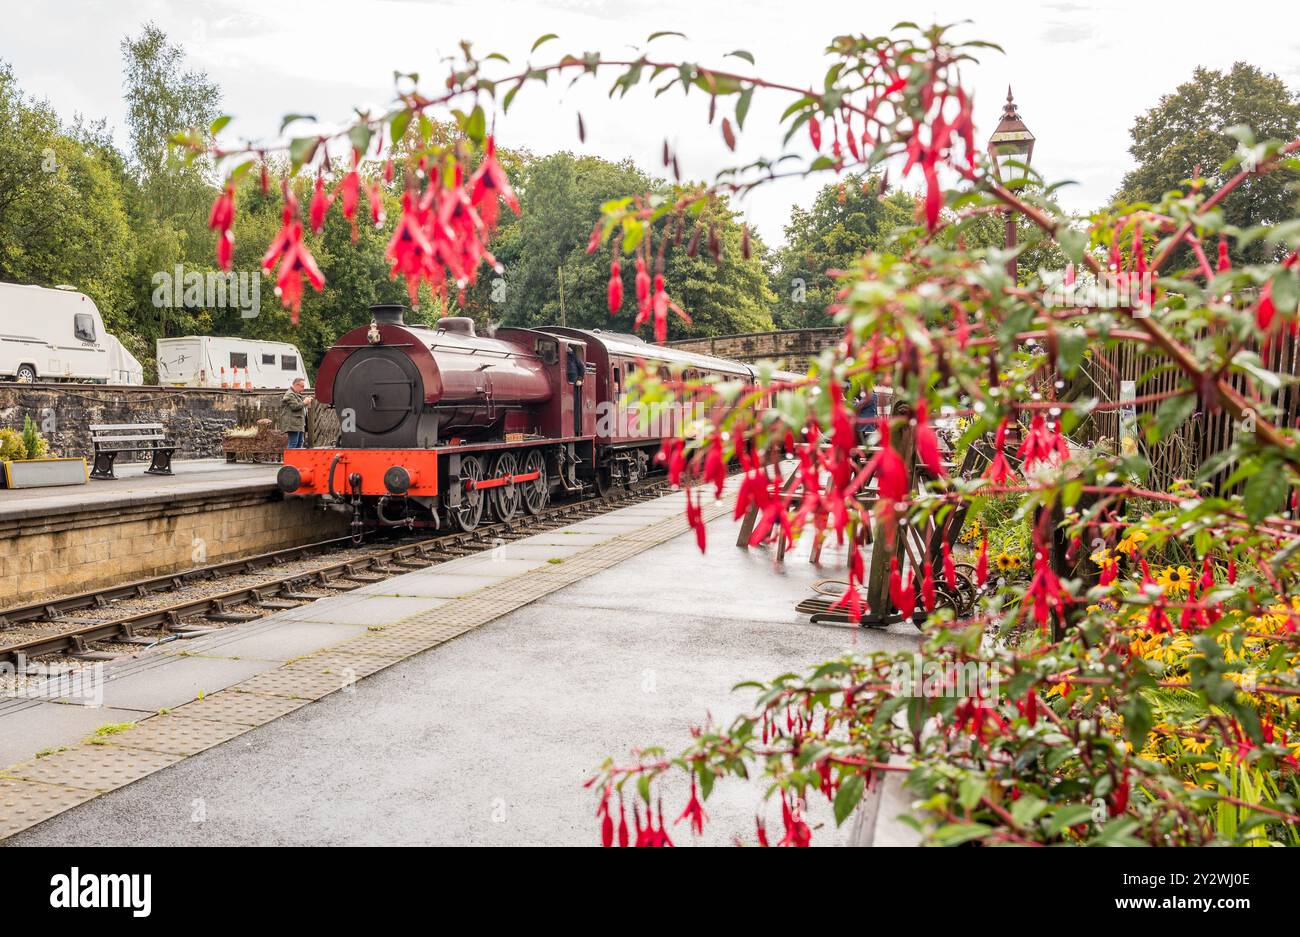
(74, 553)
(194, 417)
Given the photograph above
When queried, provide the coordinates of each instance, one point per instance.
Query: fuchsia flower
(797, 832)
(902, 594)
(672, 455)
(715, 465)
(949, 567)
(220, 220)
(320, 205)
(891, 476)
(1045, 594)
(695, 518)
(927, 443)
(928, 597)
(1042, 444)
(694, 811)
(489, 185)
(295, 261)
(1224, 263)
(999, 470)
(1264, 309)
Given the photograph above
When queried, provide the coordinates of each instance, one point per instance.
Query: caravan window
(268, 359)
(83, 326)
(239, 359)
(288, 362)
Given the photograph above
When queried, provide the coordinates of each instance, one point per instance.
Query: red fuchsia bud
(672, 456)
(695, 519)
(693, 245)
(376, 199)
(1028, 707)
(607, 831)
(933, 196)
(982, 564)
(1158, 620)
(320, 205)
(1207, 574)
(348, 192)
(760, 829)
(660, 302)
(891, 475)
(1264, 309)
(622, 822)
(949, 567)
(1232, 571)
(642, 284)
(593, 242)
(815, 131)
(1224, 264)
(927, 587)
(715, 465)
(220, 220)
(615, 287)
(1069, 274)
(1109, 573)
(1139, 251)
(1119, 796)
(927, 443)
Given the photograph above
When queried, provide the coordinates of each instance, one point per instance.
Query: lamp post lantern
(1010, 138)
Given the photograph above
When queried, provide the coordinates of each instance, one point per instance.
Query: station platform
(133, 487)
(371, 725)
(67, 539)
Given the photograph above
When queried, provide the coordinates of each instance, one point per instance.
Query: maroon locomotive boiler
(440, 426)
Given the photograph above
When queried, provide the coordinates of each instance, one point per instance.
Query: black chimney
(387, 314)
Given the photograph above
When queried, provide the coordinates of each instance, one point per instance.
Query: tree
(550, 277)
(1190, 128)
(62, 205)
(847, 219)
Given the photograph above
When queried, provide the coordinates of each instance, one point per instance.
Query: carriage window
(239, 359)
(618, 382)
(288, 362)
(268, 359)
(548, 351)
(83, 327)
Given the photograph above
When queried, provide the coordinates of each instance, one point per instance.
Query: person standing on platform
(293, 413)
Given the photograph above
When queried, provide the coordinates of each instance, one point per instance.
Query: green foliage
(11, 445)
(847, 219)
(1190, 128)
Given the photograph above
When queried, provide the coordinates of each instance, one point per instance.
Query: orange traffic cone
(248, 380)
(224, 382)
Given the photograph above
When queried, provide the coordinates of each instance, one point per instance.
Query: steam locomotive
(441, 427)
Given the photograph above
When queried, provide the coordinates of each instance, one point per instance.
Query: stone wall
(193, 417)
(795, 347)
(76, 552)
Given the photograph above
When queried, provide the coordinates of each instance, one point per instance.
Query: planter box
(45, 473)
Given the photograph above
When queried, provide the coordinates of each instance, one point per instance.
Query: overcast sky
(1080, 71)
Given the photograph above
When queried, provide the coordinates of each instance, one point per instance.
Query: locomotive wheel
(467, 516)
(605, 483)
(506, 499)
(537, 492)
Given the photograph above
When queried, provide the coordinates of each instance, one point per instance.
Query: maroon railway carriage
(442, 426)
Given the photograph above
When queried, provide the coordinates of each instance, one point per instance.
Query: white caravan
(59, 335)
(214, 361)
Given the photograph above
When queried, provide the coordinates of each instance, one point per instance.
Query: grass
(555, 561)
(106, 731)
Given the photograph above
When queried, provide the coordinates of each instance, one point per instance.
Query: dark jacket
(293, 412)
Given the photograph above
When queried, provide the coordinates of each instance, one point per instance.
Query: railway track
(274, 590)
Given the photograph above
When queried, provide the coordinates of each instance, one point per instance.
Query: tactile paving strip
(177, 735)
(26, 803)
(93, 767)
(293, 682)
(342, 664)
(245, 709)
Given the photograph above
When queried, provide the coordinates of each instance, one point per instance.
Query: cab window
(239, 359)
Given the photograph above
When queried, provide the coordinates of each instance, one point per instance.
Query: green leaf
(970, 791)
(1265, 493)
(1172, 414)
(848, 796)
(541, 40)
(359, 136)
(302, 149)
(397, 126)
(742, 54)
(219, 124)
(1068, 816)
(666, 32)
(290, 118)
(742, 106)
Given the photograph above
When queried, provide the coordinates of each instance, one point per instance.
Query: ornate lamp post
(1010, 138)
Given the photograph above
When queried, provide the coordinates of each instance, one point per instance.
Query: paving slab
(43, 726)
(162, 682)
(275, 640)
(369, 610)
(444, 586)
